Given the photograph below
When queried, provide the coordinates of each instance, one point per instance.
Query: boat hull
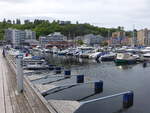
(112, 58)
(123, 61)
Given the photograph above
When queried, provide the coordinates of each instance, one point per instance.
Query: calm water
(116, 79)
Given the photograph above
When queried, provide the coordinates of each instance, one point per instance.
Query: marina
(72, 84)
(73, 56)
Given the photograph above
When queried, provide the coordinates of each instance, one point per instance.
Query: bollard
(19, 74)
(128, 99)
(3, 52)
(51, 67)
(67, 73)
(80, 78)
(98, 87)
(58, 70)
(144, 64)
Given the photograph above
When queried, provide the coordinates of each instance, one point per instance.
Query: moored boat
(125, 58)
(108, 57)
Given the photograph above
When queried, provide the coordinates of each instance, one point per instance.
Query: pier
(11, 100)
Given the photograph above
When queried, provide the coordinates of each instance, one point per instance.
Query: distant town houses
(17, 38)
(92, 39)
(54, 39)
(31, 43)
(119, 39)
(60, 41)
(143, 37)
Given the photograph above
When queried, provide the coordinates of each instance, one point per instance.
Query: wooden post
(19, 74)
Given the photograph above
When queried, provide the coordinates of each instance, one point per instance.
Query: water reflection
(125, 67)
(116, 79)
(68, 61)
(120, 110)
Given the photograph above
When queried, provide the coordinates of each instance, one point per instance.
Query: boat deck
(10, 100)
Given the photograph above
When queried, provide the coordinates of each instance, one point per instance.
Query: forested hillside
(44, 27)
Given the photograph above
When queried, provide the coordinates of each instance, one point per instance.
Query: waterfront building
(60, 44)
(92, 40)
(31, 43)
(117, 38)
(18, 37)
(119, 34)
(54, 39)
(56, 36)
(143, 37)
(43, 40)
(126, 41)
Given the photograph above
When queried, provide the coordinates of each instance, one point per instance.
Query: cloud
(14, 1)
(109, 13)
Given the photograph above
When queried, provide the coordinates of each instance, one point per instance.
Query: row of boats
(124, 55)
(119, 56)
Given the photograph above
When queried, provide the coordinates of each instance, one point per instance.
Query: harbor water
(116, 79)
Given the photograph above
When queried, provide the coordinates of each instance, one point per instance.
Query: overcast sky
(107, 13)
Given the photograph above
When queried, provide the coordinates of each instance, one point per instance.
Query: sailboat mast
(133, 37)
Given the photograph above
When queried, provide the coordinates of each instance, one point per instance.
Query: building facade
(143, 37)
(117, 38)
(53, 38)
(18, 37)
(92, 40)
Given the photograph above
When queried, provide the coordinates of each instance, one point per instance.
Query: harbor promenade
(10, 100)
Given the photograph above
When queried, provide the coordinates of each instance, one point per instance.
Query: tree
(80, 42)
(44, 27)
(18, 21)
(9, 21)
(4, 21)
(13, 21)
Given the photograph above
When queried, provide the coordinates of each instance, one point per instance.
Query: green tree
(80, 42)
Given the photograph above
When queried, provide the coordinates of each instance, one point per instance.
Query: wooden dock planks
(10, 101)
(2, 101)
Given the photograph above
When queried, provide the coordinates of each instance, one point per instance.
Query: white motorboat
(108, 57)
(146, 55)
(94, 55)
(125, 58)
(145, 50)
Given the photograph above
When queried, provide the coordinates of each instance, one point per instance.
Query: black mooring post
(67, 73)
(128, 99)
(98, 87)
(80, 78)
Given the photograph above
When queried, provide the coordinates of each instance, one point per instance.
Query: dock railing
(33, 96)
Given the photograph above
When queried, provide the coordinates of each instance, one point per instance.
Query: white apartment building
(18, 37)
